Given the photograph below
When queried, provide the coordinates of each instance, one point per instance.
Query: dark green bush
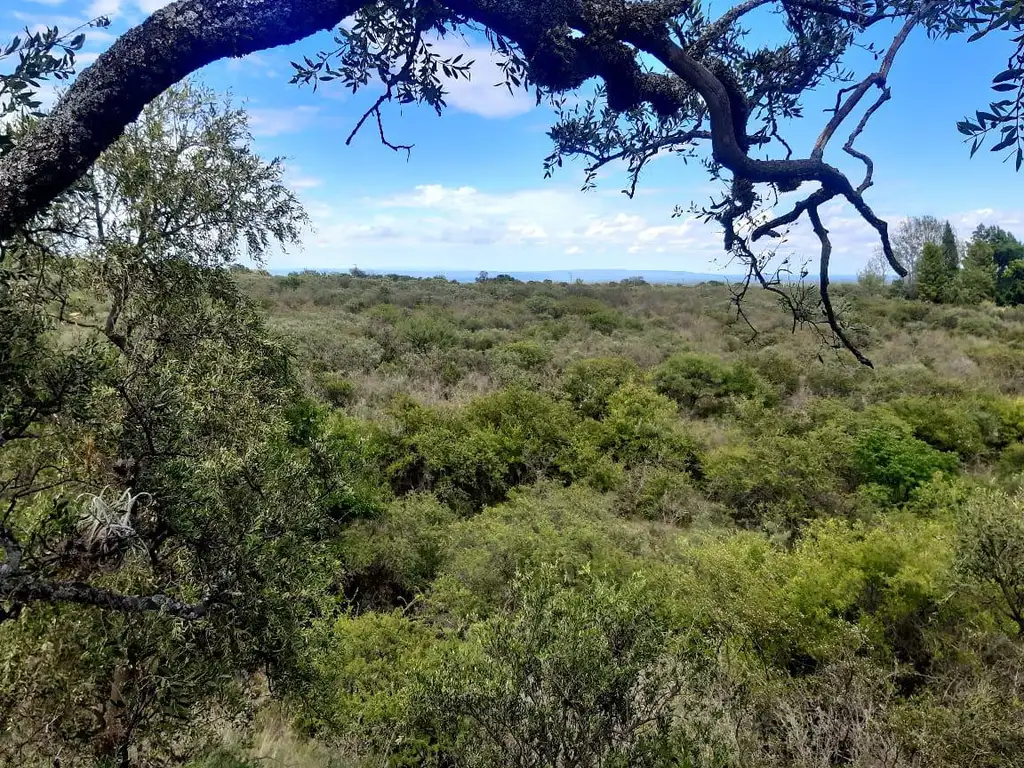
(703, 383)
(886, 453)
(590, 383)
(338, 391)
(643, 426)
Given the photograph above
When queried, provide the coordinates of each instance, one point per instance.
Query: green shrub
(947, 425)
(338, 391)
(590, 383)
(571, 528)
(842, 589)
(588, 675)
(990, 550)
(886, 453)
(702, 383)
(474, 456)
(541, 305)
(661, 494)
(779, 369)
(777, 479)
(388, 561)
(425, 332)
(525, 355)
(642, 426)
(365, 670)
(605, 321)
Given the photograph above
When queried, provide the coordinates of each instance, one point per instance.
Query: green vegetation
(353, 520)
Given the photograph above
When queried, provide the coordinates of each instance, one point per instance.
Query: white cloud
(104, 8)
(436, 226)
(151, 6)
(480, 95)
(295, 178)
(271, 121)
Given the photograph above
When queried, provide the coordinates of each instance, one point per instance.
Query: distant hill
(659, 276)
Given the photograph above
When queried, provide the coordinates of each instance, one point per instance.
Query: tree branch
(21, 591)
(170, 45)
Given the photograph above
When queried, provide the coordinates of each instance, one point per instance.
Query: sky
(472, 195)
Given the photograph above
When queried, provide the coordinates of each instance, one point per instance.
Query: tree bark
(170, 45)
(23, 590)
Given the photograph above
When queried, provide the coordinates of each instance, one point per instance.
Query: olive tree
(164, 509)
(674, 77)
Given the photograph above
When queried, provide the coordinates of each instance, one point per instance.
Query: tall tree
(710, 90)
(908, 240)
(977, 280)
(951, 250)
(161, 508)
(933, 281)
(1006, 248)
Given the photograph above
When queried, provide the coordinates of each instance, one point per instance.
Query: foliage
(991, 549)
(933, 274)
(586, 675)
(703, 383)
(152, 463)
(41, 54)
(770, 559)
(977, 279)
(887, 454)
(591, 383)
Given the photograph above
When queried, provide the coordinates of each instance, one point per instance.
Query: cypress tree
(933, 274)
(977, 280)
(950, 250)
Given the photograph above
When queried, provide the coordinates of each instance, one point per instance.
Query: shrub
(525, 355)
(425, 332)
(388, 561)
(782, 371)
(643, 426)
(776, 479)
(606, 321)
(589, 675)
(473, 457)
(365, 670)
(590, 383)
(990, 549)
(703, 383)
(571, 528)
(660, 494)
(887, 453)
(338, 391)
(948, 426)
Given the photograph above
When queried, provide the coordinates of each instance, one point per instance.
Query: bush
(643, 426)
(990, 549)
(886, 453)
(660, 494)
(472, 458)
(570, 528)
(702, 383)
(390, 560)
(338, 391)
(365, 671)
(590, 675)
(776, 479)
(948, 426)
(590, 383)
(425, 332)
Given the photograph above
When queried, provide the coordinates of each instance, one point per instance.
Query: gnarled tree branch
(170, 45)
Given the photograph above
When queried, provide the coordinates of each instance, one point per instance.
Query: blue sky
(472, 195)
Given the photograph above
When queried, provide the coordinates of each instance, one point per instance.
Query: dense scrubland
(346, 520)
(601, 525)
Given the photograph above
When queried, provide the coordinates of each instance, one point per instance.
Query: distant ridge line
(656, 276)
